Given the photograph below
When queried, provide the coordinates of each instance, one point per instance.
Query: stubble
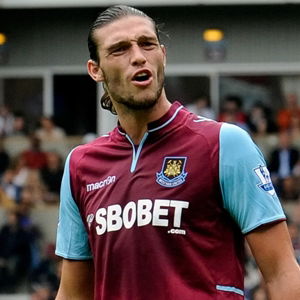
(135, 102)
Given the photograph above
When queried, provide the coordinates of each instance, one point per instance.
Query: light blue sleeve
(247, 190)
(72, 239)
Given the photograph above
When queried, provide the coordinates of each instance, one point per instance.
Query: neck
(135, 123)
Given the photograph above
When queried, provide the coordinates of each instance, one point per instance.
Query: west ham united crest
(172, 172)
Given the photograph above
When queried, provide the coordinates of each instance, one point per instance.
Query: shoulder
(203, 132)
(96, 145)
(232, 133)
(236, 144)
(83, 155)
(202, 125)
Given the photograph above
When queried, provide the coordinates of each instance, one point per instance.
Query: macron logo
(100, 184)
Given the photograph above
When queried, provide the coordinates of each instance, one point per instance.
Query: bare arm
(274, 254)
(77, 280)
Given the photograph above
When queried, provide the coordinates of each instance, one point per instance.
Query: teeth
(142, 74)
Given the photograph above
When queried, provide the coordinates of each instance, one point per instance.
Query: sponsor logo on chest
(141, 213)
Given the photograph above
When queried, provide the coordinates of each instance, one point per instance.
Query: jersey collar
(158, 127)
(162, 122)
(166, 119)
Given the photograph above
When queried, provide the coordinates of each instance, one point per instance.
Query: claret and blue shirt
(165, 219)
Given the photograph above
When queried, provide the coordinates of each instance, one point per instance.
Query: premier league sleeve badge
(265, 180)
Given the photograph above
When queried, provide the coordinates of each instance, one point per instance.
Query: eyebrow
(117, 45)
(141, 38)
(148, 38)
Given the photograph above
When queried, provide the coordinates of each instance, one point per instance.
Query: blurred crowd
(30, 177)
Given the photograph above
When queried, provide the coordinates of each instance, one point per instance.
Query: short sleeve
(247, 190)
(72, 239)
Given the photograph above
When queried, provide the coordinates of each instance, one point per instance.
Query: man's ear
(94, 70)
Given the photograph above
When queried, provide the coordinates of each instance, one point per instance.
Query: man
(157, 209)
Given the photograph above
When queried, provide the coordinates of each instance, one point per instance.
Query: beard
(135, 102)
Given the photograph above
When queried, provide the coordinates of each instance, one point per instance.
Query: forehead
(126, 28)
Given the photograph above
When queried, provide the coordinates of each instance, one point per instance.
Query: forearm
(274, 254)
(285, 286)
(62, 295)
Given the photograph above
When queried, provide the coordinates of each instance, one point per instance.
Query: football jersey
(165, 219)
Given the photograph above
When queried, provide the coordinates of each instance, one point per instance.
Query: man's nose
(137, 56)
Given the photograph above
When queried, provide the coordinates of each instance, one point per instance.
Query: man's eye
(148, 45)
(119, 50)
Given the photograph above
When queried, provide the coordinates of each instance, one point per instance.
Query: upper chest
(174, 167)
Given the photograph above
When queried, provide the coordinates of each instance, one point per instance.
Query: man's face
(131, 62)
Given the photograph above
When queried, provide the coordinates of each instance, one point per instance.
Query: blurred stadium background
(242, 57)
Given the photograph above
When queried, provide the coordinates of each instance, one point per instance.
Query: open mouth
(142, 76)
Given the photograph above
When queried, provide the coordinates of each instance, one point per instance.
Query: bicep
(77, 280)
